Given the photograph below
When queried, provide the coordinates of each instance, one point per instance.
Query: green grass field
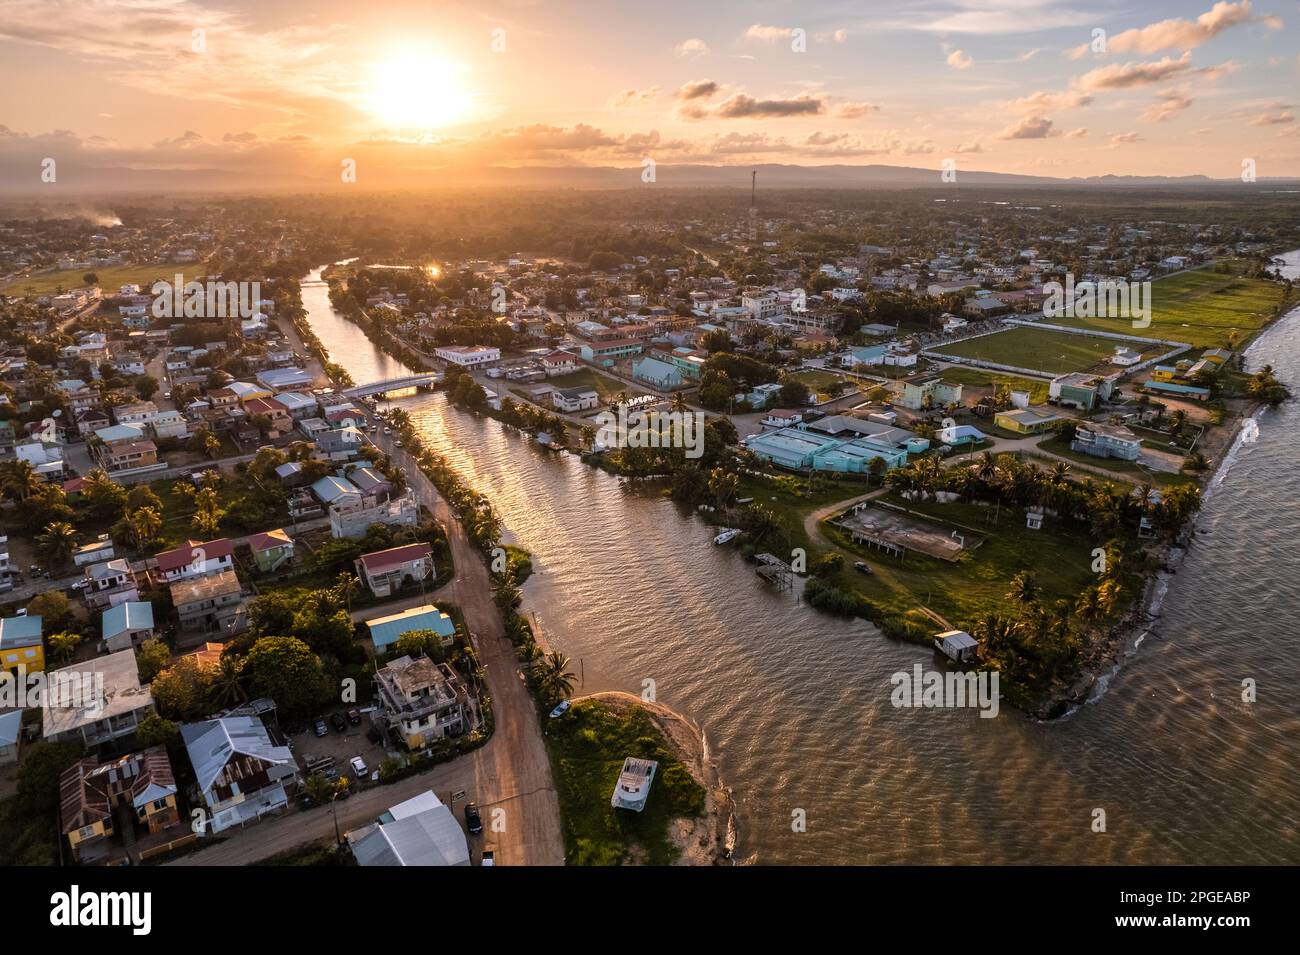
(1199, 308)
(984, 379)
(110, 279)
(978, 581)
(586, 378)
(1036, 348)
(587, 748)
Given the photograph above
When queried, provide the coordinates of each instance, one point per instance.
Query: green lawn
(110, 278)
(1038, 349)
(1199, 308)
(978, 378)
(586, 378)
(587, 748)
(823, 381)
(1059, 555)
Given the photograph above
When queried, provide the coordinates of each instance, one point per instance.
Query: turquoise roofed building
(385, 631)
(127, 625)
(800, 450)
(657, 373)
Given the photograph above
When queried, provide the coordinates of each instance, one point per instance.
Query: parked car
(339, 722)
(358, 767)
(489, 857)
(80, 584)
(320, 727)
(473, 821)
(560, 710)
(354, 716)
(862, 568)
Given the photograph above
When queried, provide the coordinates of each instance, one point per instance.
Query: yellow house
(21, 644)
(89, 792)
(1163, 373)
(1025, 421)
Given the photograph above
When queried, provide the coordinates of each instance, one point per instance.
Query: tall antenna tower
(753, 187)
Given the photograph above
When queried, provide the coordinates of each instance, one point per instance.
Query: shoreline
(1094, 680)
(710, 838)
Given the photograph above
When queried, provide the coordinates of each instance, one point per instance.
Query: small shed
(633, 786)
(1034, 518)
(957, 645)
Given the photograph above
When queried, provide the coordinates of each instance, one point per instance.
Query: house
(169, 424)
(960, 434)
(127, 625)
(91, 794)
(939, 393)
(782, 418)
(419, 831)
(420, 701)
(124, 456)
(1080, 390)
(1125, 357)
(209, 604)
(1176, 389)
(762, 395)
(386, 571)
(98, 703)
(95, 552)
(559, 363)
(11, 731)
(957, 645)
(90, 420)
(348, 519)
(271, 550)
(1025, 421)
(195, 559)
(657, 373)
(384, 631)
(339, 444)
(608, 352)
(371, 483)
(21, 645)
(468, 356)
(136, 412)
(110, 583)
(1106, 441)
(633, 786)
(241, 774)
(575, 399)
(278, 420)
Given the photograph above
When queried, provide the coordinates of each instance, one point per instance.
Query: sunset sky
(287, 89)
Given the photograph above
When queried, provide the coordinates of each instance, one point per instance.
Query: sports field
(111, 278)
(1199, 308)
(1037, 349)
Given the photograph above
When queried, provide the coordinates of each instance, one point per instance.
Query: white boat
(728, 535)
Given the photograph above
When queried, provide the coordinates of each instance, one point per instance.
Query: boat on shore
(728, 534)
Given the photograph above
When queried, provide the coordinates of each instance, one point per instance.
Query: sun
(417, 91)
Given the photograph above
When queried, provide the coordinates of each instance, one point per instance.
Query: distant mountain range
(89, 178)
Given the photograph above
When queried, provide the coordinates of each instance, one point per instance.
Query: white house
(468, 356)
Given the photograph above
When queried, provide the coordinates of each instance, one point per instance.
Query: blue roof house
(127, 625)
(385, 631)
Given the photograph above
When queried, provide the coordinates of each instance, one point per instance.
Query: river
(795, 704)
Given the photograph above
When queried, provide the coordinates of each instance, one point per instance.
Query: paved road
(511, 772)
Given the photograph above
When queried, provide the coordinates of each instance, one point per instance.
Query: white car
(359, 767)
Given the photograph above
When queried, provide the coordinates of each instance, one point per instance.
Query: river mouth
(796, 704)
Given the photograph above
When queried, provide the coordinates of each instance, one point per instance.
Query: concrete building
(420, 702)
(98, 703)
(387, 571)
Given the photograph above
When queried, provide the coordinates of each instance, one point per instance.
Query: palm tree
(57, 543)
(346, 584)
(227, 686)
(145, 524)
(20, 480)
(553, 676)
(1024, 589)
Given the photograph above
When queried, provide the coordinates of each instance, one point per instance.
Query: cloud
(767, 34)
(855, 110)
(974, 146)
(1177, 33)
(959, 60)
(1277, 116)
(1029, 55)
(1120, 76)
(692, 47)
(1031, 127)
(837, 36)
(1120, 138)
(1042, 101)
(744, 106)
(1166, 106)
(697, 89)
(634, 97)
(1079, 133)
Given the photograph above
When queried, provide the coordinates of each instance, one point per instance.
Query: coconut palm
(57, 543)
(553, 676)
(1024, 589)
(19, 481)
(227, 687)
(145, 524)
